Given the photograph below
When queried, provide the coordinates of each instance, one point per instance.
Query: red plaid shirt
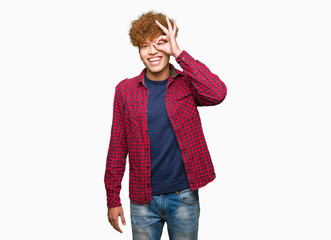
(195, 86)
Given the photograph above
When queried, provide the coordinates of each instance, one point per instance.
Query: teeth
(154, 59)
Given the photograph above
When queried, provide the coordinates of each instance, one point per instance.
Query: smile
(155, 60)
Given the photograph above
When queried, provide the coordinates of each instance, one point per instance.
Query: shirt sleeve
(207, 87)
(117, 152)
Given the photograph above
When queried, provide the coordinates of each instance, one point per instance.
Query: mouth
(154, 60)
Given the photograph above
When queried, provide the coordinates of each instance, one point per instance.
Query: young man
(156, 122)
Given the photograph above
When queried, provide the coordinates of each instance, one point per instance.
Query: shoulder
(127, 84)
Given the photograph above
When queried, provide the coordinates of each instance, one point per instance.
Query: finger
(157, 47)
(162, 37)
(123, 218)
(169, 24)
(112, 223)
(175, 27)
(116, 226)
(160, 47)
(110, 220)
(164, 29)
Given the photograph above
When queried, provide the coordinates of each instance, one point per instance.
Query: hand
(170, 46)
(113, 214)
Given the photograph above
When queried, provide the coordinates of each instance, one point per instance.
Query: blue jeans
(180, 210)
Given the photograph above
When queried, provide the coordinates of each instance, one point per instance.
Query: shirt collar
(173, 73)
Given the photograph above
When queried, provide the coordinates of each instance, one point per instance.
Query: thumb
(158, 47)
(122, 218)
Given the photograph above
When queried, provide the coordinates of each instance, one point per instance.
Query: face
(156, 62)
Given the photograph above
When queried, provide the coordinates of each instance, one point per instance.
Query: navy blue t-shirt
(167, 173)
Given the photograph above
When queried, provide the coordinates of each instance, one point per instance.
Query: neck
(158, 76)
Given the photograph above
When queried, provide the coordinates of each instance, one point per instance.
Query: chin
(156, 69)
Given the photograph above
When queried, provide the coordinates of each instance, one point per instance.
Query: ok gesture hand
(170, 45)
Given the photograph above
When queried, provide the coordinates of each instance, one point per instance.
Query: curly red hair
(145, 28)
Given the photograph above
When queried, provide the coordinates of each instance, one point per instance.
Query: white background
(270, 139)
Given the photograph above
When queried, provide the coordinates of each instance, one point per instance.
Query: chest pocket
(133, 118)
(187, 107)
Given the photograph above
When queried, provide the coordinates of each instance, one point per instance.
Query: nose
(152, 49)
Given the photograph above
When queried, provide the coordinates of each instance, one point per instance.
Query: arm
(207, 87)
(117, 152)
(116, 160)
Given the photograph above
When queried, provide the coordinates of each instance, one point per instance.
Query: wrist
(177, 53)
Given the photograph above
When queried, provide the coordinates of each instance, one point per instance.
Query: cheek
(143, 60)
(142, 54)
(166, 58)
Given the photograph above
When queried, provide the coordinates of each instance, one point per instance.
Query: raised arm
(208, 89)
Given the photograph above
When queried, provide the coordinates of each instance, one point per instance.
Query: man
(156, 122)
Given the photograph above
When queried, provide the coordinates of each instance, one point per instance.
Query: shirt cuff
(184, 57)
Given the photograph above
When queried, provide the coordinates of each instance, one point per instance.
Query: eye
(144, 46)
(160, 43)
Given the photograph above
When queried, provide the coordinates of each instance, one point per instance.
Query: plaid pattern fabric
(195, 86)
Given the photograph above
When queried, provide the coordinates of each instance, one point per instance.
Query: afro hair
(145, 28)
